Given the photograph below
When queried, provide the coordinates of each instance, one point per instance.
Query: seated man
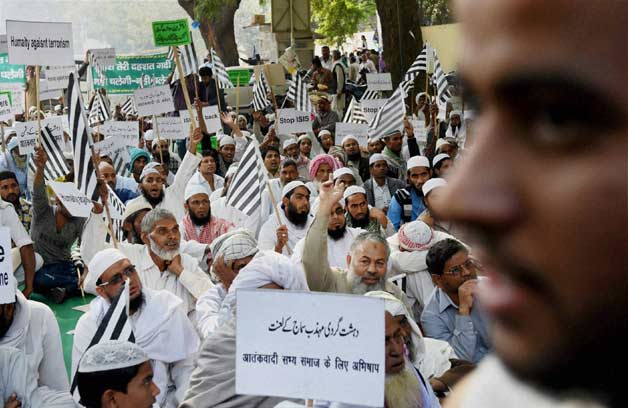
(367, 258)
(139, 159)
(282, 235)
(116, 373)
(11, 192)
(380, 189)
(431, 191)
(360, 215)
(160, 150)
(272, 159)
(289, 172)
(346, 176)
(212, 383)
(355, 160)
(321, 167)
(206, 174)
(158, 318)
(227, 150)
(11, 160)
(108, 173)
(452, 312)
(407, 203)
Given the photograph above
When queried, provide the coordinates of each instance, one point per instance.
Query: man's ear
(101, 292)
(285, 201)
(348, 260)
(145, 238)
(186, 206)
(436, 280)
(108, 399)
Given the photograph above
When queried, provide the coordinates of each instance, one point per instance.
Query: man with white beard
(159, 261)
(160, 325)
(367, 258)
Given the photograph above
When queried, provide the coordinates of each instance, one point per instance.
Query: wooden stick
(2, 137)
(274, 202)
(161, 155)
(238, 96)
(184, 85)
(272, 94)
(218, 95)
(195, 85)
(37, 111)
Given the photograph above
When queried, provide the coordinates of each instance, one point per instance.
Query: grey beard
(359, 288)
(162, 253)
(403, 390)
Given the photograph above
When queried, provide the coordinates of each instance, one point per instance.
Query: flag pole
(161, 156)
(272, 94)
(238, 96)
(184, 85)
(37, 111)
(274, 202)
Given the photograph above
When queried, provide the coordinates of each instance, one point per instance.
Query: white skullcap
(111, 355)
(150, 168)
(431, 184)
(149, 135)
(455, 112)
(13, 143)
(99, 264)
(226, 140)
(415, 236)
(324, 132)
(438, 158)
(347, 138)
(231, 170)
(418, 161)
(377, 157)
(303, 137)
(353, 190)
(419, 97)
(193, 189)
(342, 171)
(289, 142)
(134, 206)
(156, 143)
(440, 143)
(235, 244)
(291, 186)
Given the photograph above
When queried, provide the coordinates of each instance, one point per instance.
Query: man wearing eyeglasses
(451, 313)
(158, 317)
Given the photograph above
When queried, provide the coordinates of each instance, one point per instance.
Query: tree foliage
(338, 18)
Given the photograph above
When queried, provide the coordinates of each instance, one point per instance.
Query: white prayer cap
(353, 190)
(134, 206)
(193, 189)
(347, 138)
(303, 137)
(13, 143)
(289, 142)
(419, 97)
(342, 171)
(226, 140)
(324, 132)
(291, 186)
(418, 161)
(455, 112)
(377, 157)
(431, 184)
(150, 168)
(440, 143)
(235, 244)
(415, 236)
(99, 264)
(438, 158)
(231, 170)
(149, 135)
(155, 143)
(111, 355)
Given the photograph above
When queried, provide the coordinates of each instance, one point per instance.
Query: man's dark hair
(316, 61)
(288, 163)
(6, 175)
(210, 153)
(440, 253)
(269, 149)
(205, 71)
(92, 386)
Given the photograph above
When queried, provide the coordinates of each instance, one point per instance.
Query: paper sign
(379, 82)
(173, 32)
(109, 146)
(7, 285)
(211, 116)
(419, 130)
(358, 130)
(73, 200)
(126, 131)
(371, 106)
(274, 73)
(39, 43)
(153, 101)
(57, 77)
(3, 43)
(104, 57)
(170, 128)
(27, 133)
(310, 345)
(294, 121)
(16, 92)
(6, 112)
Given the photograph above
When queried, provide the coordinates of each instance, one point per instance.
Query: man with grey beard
(367, 258)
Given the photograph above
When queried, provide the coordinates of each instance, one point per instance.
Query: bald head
(108, 173)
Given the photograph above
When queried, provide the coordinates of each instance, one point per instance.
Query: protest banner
(379, 82)
(27, 132)
(293, 121)
(39, 43)
(127, 131)
(104, 57)
(7, 286)
(172, 32)
(358, 130)
(171, 128)
(11, 73)
(109, 145)
(16, 95)
(6, 112)
(3, 43)
(45, 92)
(310, 345)
(57, 77)
(131, 72)
(211, 116)
(371, 106)
(153, 101)
(73, 200)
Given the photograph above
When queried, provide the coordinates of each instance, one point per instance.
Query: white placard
(211, 116)
(104, 57)
(39, 43)
(379, 82)
(7, 286)
(128, 131)
(46, 93)
(294, 121)
(6, 111)
(17, 96)
(27, 133)
(171, 128)
(371, 106)
(109, 145)
(419, 130)
(57, 77)
(310, 345)
(358, 130)
(3, 44)
(73, 200)
(153, 101)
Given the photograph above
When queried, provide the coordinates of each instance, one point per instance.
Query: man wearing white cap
(240, 137)
(227, 149)
(379, 187)
(12, 160)
(442, 164)
(360, 215)
(160, 150)
(283, 234)
(456, 128)
(432, 190)
(212, 383)
(394, 149)
(288, 172)
(158, 319)
(346, 176)
(116, 373)
(290, 149)
(354, 156)
(151, 181)
(447, 146)
(407, 203)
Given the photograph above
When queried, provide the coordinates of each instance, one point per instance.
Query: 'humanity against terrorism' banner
(132, 70)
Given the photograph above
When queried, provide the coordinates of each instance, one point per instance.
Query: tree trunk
(398, 18)
(218, 32)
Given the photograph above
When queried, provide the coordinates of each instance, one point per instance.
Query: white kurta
(237, 217)
(35, 333)
(162, 330)
(268, 233)
(198, 179)
(207, 308)
(337, 251)
(267, 204)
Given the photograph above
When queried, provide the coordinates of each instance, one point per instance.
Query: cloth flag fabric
(56, 165)
(187, 56)
(440, 80)
(245, 192)
(390, 116)
(419, 65)
(260, 93)
(220, 72)
(297, 93)
(116, 206)
(368, 95)
(128, 107)
(355, 114)
(99, 111)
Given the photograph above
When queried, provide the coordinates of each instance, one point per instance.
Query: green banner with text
(173, 32)
(134, 71)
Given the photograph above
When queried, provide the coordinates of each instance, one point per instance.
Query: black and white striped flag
(99, 111)
(245, 191)
(355, 114)
(220, 72)
(116, 208)
(84, 174)
(128, 107)
(298, 94)
(419, 65)
(56, 165)
(368, 95)
(115, 324)
(260, 93)
(187, 56)
(440, 80)
(390, 116)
